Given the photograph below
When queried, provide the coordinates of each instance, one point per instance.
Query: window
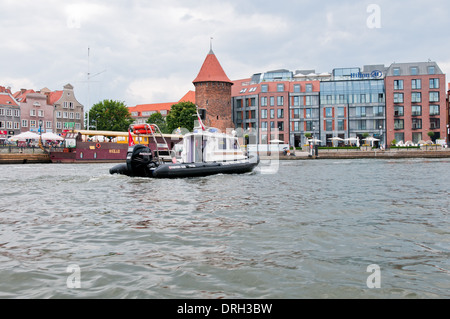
(398, 124)
(309, 125)
(65, 115)
(296, 100)
(416, 97)
(329, 125)
(33, 123)
(416, 137)
(264, 88)
(431, 70)
(434, 110)
(341, 98)
(416, 124)
(416, 84)
(398, 97)
(435, 123)
(41, 113)
(416, 110)
(309, 87)
(24, 123)
(264, 101)
(378, 111)
(398, 110)
(398, 85)
(281, 126)
(414, 70)
(264, 126)
(396, 71)
(434, 96)
(296, 114)
(280, 87)
(272, 113)
(361, 111)
(341, 111)
(308, 113)
(296, 126)
(308, 100)
(272, 101)
(360, 125)
(341, 125)
(399, 137)
(328, 112)
(280, 113)
(48, 124)
(263, 114)
(32, 112)
(66, 105)
(280, 100)
(434, 83)
(296, 88)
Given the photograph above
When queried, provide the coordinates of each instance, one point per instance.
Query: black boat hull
(190, 169)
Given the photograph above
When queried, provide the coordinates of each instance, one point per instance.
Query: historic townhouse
(68, 112)
(9, 114)
(36, 114)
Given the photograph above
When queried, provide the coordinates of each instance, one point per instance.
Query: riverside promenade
(428, 152)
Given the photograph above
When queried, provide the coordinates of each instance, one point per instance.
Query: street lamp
(40, 133)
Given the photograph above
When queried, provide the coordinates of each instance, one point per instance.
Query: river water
(306, 229)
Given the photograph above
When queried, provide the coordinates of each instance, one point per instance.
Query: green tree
(158, 119)
(181, 115)
(110, 115)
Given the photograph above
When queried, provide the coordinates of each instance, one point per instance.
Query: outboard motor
(139, 159)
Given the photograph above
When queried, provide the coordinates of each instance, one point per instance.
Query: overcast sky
(151, 51)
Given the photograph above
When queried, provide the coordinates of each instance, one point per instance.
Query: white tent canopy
(24, 136)
(51, 137)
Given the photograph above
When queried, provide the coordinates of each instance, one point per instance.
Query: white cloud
(158, 90)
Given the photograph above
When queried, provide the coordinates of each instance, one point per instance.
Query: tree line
(110, 115)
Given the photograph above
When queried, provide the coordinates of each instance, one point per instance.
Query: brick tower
(213, 93)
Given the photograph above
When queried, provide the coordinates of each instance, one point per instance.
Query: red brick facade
(415, 106)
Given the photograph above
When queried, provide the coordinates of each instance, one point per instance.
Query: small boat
(203, 152)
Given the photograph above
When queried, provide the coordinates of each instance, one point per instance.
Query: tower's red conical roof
(211, 71)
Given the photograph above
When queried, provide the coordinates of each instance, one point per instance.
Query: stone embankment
(357, 154)
(19, 155)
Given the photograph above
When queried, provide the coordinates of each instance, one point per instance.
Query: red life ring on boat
(144, 129)
(98, 145)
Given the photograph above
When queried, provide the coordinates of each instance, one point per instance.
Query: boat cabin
(210, 146)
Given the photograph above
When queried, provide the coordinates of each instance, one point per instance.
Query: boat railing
(162, 150)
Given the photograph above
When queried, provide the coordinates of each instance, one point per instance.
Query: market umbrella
(24, 136)
(313, 140)
(51, 137)
(276, 141)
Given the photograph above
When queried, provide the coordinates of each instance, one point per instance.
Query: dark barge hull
(190, 169)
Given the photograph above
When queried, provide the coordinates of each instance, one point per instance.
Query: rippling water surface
(308, 231)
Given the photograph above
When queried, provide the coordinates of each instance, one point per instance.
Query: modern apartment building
(415, 102)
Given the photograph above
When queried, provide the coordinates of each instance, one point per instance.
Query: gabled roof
(7, 99)
(21, 95)
(54, 97)
(211, 71)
